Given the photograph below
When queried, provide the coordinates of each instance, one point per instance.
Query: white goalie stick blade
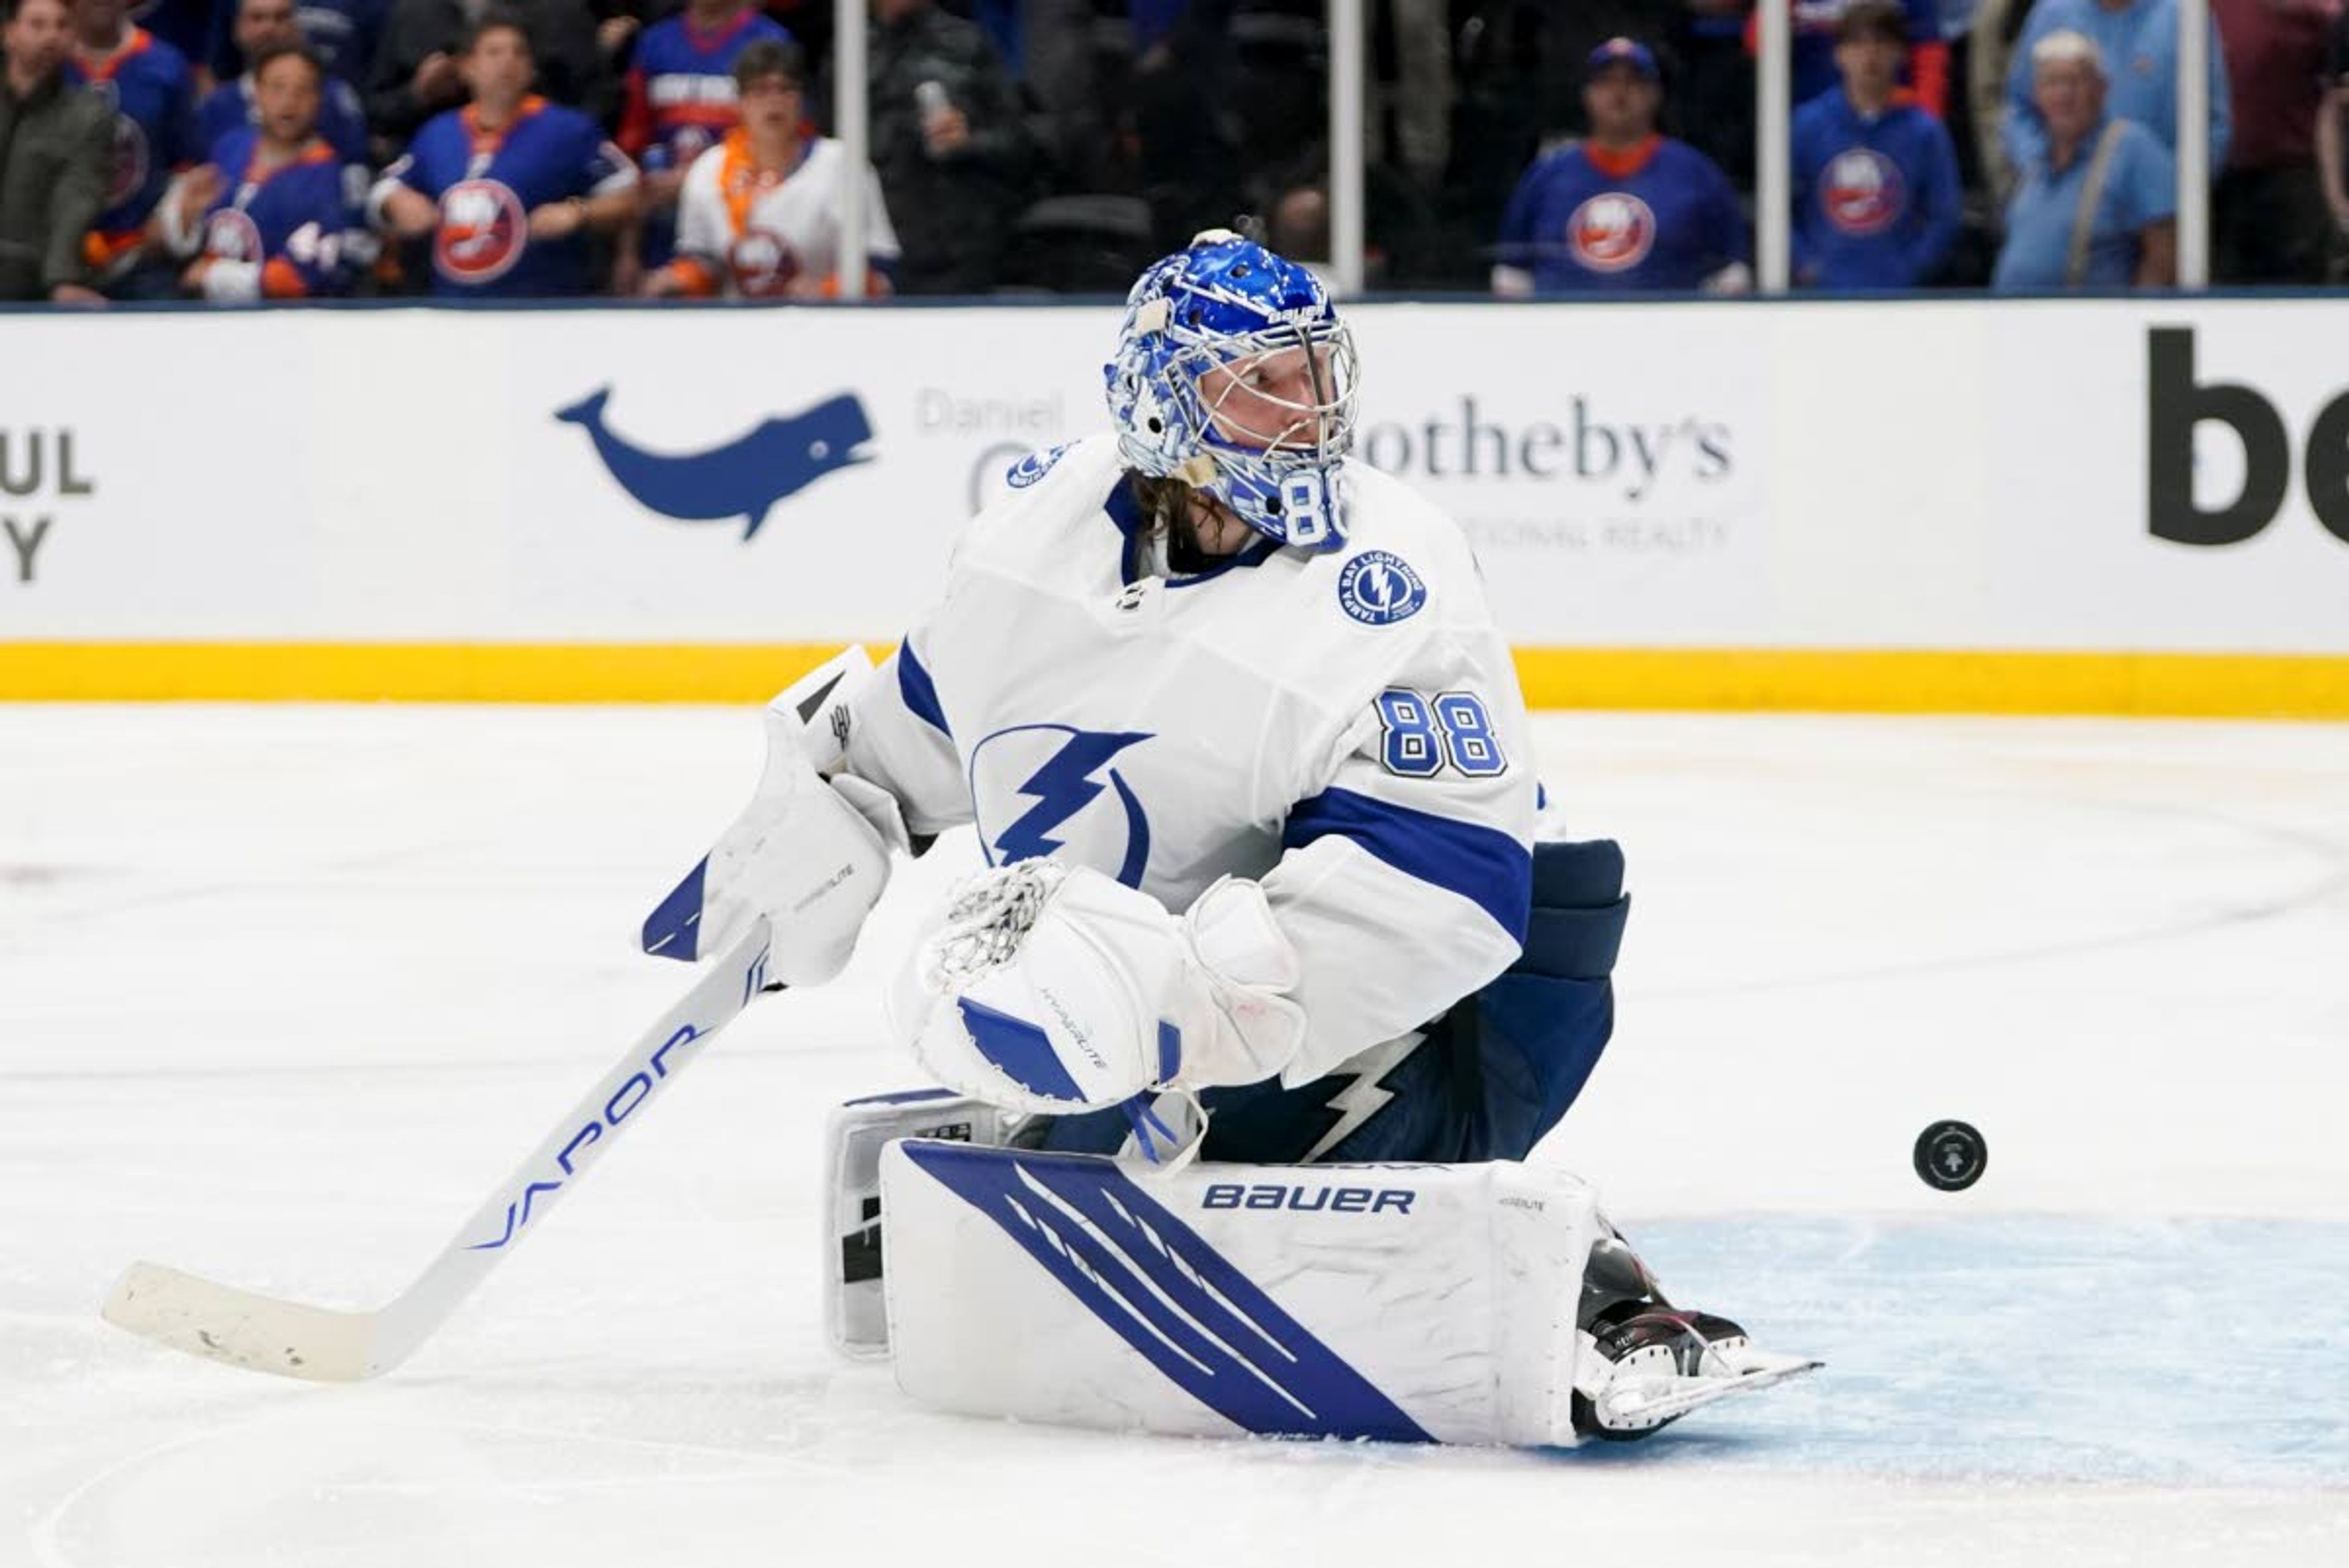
(223, 1324)
(1635, 1402)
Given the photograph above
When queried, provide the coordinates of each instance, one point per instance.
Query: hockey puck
(1951, 1155)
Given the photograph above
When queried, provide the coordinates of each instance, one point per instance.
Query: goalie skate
(1644, 1365)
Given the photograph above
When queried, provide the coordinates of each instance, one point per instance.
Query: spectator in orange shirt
(758, 214)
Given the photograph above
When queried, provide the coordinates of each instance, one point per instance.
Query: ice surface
(283, 990)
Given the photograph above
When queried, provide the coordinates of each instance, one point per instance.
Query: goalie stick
(327, 1345)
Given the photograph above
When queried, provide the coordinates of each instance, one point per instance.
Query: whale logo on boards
(744, 478)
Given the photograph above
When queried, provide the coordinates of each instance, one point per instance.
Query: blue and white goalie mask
(1235, 376)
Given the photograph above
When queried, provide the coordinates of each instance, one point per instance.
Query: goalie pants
(1484, 1082)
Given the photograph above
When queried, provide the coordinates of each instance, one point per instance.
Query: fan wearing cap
(1875, 193)
(1626, 209)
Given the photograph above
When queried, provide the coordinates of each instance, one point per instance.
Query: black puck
(1951, 1155)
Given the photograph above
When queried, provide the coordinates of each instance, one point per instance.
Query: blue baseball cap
(1623, 52)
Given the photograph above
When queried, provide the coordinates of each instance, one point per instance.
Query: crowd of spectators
(244, 150)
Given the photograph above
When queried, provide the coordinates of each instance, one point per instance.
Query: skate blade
(1628, 1410)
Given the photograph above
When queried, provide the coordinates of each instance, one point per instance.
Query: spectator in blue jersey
(147, 83)
(1876, 202)
(278, 212)
(678, 100)
(267, 26)
(2137, 40)
(508, 187)
(415, 73)
(1625, 208)
(2098, 207)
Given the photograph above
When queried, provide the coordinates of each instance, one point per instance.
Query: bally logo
(744, 478)
(2176, 404)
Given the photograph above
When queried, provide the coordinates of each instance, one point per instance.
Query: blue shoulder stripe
(1482, 865)
(920, 693)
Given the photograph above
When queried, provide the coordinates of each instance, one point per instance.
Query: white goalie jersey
(1344, 727)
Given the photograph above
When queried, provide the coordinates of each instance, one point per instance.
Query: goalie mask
(1235, 376)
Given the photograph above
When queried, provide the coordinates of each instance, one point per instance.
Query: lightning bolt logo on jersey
(1042, 783)
(1367, 1095)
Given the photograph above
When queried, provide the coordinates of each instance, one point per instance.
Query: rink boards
(2033, 506)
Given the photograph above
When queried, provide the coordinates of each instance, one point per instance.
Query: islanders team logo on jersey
(1038, 788)
(764, 264)
(232, 235)
(1378, 587)
(742, 477)
(131, 160)
(1613, 231)
(483, 229)
(1033, 467)
(1862, 192)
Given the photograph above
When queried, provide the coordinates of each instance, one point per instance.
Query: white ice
(283, 990)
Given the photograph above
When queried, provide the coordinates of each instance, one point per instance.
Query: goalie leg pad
(856, 1318)
(1403, 1303)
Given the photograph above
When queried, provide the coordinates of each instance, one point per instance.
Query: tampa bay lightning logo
(744, 478)
(1378, 587)
(1038, 788)
(1032, 467)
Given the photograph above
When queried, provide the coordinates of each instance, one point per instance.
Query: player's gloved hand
(1051, 988)
(810, 853)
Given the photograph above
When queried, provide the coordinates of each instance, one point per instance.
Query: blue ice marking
(2183, 1352)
